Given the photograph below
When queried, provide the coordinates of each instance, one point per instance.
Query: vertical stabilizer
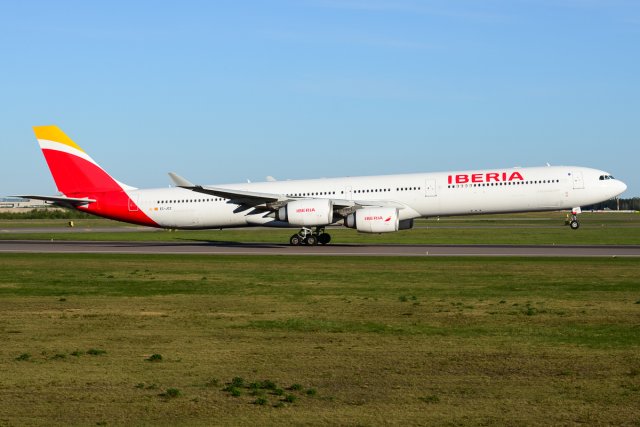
(73, 170)
(85, 185)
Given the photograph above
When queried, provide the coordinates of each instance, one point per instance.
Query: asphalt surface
(54, 230)
(233, 248)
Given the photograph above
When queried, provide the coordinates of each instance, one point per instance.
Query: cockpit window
(603, 177)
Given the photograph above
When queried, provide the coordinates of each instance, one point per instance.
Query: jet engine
(305, 213)
(376, 220)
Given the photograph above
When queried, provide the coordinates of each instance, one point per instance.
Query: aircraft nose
(623, 187)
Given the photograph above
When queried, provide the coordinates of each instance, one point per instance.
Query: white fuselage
(423, 195)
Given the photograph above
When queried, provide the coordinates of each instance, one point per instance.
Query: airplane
(369, 204)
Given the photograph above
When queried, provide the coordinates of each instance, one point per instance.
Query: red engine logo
(376, 218)
(305, 210)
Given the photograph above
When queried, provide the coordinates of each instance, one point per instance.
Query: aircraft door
(133, 203)
(578, 181)
(430, 188)
(348, 193)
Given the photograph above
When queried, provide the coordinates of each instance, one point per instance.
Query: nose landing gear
(573, 220)
(308, 237)
(574, 224)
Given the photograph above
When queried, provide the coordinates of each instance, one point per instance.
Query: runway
(233, 248)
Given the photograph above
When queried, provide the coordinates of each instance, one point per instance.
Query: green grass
(531, 228)
(474, 341)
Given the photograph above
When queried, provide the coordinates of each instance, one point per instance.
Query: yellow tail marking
(53, 133)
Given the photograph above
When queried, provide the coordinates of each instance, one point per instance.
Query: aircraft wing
(250, 198)
(241, 197)
(68, 202)
(271, 201)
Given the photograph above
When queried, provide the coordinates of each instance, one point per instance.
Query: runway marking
(252, 249)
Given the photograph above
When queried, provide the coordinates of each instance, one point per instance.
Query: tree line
(46, 213)
(632, 204)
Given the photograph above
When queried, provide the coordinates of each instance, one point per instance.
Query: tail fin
(73, 170)
(85, 185)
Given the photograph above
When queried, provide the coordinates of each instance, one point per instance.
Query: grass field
(532, 228)
(200, 340)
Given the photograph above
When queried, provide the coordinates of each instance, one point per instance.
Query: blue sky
(225, 91)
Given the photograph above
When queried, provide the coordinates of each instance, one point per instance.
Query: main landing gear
(307, 237)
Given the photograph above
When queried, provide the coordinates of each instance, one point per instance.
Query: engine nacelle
(306, 213)
(374, 220)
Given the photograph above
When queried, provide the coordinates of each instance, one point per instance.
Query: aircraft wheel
(311, 240)
(295, 240)
(574, 225)
(324, 238)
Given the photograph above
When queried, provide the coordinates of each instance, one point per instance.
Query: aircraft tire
(311, 240)
(295, 240)
(324, 238)
(574, 225)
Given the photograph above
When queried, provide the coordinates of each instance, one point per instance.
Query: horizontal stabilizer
(62, 200)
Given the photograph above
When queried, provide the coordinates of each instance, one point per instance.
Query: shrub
(290, 398)
(96, 351)
(237, 382)
(24, 356)
(171, 393)
(312, 392)
(260, 401)
(296, 387)
(269, 385)
(430, 399)
(154, 358)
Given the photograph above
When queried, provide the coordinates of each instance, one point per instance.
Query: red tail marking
(77, 177)
(72, 173)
